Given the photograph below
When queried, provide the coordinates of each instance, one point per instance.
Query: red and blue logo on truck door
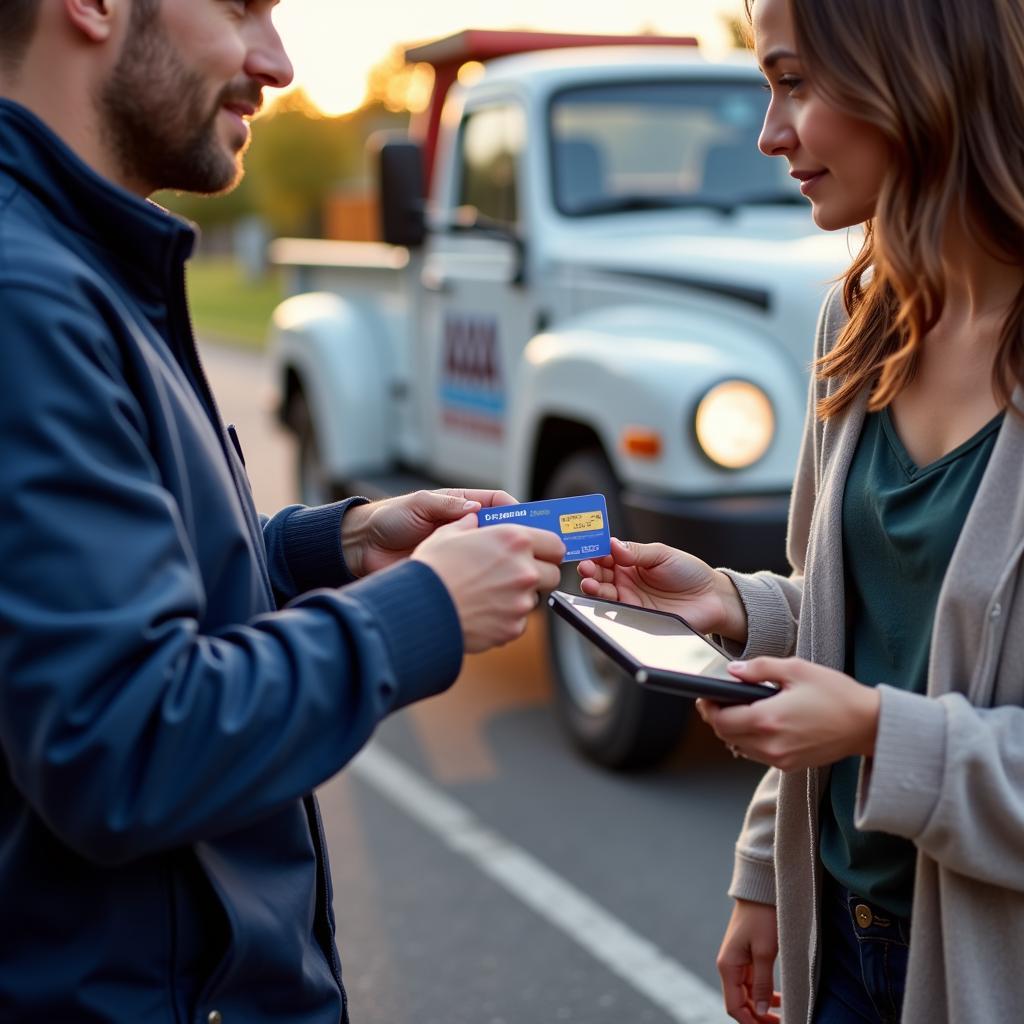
(472, 380)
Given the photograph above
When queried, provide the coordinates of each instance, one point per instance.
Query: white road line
(680, 993)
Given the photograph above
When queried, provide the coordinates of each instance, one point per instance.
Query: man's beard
(156, 115)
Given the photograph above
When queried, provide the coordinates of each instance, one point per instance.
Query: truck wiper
(632, 203)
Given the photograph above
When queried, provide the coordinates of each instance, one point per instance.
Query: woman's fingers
(767, 670)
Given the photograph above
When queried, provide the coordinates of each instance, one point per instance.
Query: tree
(398, 86)
(739, 30)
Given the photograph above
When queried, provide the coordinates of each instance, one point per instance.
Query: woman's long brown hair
(943, 80)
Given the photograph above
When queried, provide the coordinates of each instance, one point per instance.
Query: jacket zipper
(189, 353)
(320, 845)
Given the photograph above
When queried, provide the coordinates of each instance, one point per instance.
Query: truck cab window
(492, 141)
(642, 145)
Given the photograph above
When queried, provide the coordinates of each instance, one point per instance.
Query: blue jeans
(863, 960)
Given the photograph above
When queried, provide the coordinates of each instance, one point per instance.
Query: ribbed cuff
(419, 625)
(312, 544)
(900, 786)
(753, 880)
(770, 628)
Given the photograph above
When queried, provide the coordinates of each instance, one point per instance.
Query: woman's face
(840, 160)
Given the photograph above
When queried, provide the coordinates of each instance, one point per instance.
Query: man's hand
(746, 961)
(378, 535)
(493, 576)
(820, 717)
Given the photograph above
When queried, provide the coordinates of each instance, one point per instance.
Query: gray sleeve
(753, 875)
(950, 777)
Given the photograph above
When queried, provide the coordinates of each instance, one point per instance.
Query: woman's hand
(664, 578)
(746, 961)
(377, 535)
(820, 717)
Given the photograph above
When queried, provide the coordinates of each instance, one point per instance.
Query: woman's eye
(788, 83)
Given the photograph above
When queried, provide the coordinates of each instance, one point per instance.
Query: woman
(893, 813)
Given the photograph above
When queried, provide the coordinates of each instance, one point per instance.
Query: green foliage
(227, 307)
(295, 160)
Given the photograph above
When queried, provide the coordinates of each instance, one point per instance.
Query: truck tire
(311, 478)
(606, 715)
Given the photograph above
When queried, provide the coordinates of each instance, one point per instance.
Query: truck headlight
(734, 424)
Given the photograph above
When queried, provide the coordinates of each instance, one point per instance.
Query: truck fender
(650, 367)
(341, 360)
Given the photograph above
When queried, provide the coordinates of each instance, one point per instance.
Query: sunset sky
(334, 43)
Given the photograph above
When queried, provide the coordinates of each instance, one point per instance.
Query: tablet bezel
(682, 684)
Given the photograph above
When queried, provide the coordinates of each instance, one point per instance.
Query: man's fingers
(486, 498)
(550, 577)
(467, 522)
(546, 546)
(442, 506)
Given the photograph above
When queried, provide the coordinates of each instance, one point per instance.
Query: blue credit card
(581, 522)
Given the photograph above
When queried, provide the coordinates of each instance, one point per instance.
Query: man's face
(190, 74)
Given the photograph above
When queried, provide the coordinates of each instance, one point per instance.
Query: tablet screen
(656, 641)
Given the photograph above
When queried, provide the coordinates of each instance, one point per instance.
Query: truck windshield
(659, 145)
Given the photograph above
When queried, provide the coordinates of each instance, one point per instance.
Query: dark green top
(900, 525)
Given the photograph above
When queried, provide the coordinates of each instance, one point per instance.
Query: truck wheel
(310, 476)
(608, 717)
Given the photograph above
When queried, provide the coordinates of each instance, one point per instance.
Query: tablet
(658, 649)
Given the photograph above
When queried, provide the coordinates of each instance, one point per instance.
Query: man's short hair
(17, 25)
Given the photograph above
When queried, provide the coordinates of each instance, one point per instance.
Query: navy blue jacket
(173, 684)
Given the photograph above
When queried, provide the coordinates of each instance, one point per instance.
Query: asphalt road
(483, 873)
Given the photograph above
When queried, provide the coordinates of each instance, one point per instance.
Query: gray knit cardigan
(948, 768)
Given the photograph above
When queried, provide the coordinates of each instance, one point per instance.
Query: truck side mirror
(400, 163)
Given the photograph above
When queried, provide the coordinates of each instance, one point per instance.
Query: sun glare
(334, 46)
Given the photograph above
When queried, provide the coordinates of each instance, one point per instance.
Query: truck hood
(777, 283)
(745, 268)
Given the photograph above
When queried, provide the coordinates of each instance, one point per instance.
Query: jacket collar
(150, 244)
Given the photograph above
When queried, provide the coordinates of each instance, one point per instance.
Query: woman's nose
(778, 137)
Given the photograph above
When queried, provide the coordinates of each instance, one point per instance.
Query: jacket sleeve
(304, 549)
(125, 728)
(948, 776)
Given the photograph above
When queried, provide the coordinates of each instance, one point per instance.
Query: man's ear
(95, 19)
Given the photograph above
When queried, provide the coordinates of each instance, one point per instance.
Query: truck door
(478, 314)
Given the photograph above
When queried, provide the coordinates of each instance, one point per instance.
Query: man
(176, 673)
